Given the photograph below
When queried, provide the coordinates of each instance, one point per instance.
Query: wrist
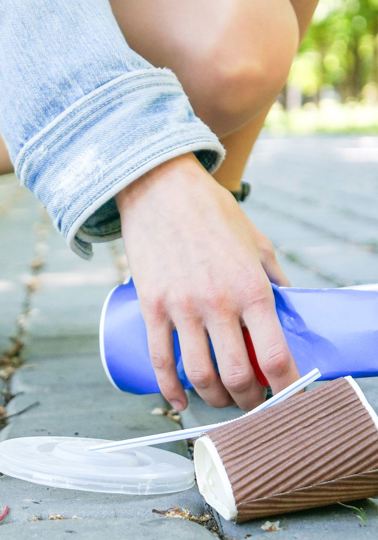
(160, 177)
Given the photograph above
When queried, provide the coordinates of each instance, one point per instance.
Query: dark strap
(243, 192)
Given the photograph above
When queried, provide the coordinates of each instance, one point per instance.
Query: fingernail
(177, 405)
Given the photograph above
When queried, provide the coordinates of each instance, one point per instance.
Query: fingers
(274, 272)
(268, 257)
(198, 365)
(234, 366)
(160, 344)
(269, 342)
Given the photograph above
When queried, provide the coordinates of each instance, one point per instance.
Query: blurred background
(333, 83)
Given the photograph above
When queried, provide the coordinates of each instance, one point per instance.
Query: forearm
(83, 115)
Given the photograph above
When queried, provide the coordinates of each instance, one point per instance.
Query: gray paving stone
(71, 291)
(114, 528)
(319, 216)
(61, 345)
(27, 500)
(343, 264)
(337, 197)
(328, 181)
(369, 388)
(199, 413)
(18, 213)
(67, 311)
(300, 276)
(57, 373)
(334, 522)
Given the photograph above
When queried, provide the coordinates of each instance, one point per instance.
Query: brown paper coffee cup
(314, 449)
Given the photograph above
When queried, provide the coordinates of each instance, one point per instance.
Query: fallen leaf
(37, 263)
(3, 514)
(6, 372)
(158, 411)
(271, 526)
(183, 513)
(55, 517)
(32, 283)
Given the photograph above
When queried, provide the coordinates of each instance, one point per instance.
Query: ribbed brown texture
(316, 448)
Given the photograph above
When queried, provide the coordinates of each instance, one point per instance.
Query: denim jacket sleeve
(83, 115)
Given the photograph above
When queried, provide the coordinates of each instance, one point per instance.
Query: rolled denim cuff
(103, 142)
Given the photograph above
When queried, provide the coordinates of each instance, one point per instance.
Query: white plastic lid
(66, 462)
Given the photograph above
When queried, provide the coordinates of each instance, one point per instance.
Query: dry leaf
(4, 512)
(271, 526)
(6, 372)
(158, 411)
(32, 283)
(56, 517)
(37, 263)
(183, 513)
(174, 415)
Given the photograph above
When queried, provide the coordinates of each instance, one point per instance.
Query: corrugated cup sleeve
(317, 448)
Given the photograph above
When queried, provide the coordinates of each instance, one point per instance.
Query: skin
(198, 263)
(212, 276)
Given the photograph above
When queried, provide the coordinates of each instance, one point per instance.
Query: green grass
(329, 117)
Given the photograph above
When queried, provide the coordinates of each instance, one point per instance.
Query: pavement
(315, 197)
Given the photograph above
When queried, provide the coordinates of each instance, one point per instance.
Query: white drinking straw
(190, 433)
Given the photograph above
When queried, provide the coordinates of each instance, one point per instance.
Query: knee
(236, 77)
(238, 91)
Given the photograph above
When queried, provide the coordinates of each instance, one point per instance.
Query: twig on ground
(206, 520)
(182, 513)
(25, 409)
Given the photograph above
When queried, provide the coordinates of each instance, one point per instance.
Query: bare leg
(239, 146)
(231, 57)
(5, 162)
(240, 143)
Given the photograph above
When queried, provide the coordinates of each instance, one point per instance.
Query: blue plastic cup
(334, 330)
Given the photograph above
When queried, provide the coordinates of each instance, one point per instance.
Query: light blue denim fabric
(83, 115)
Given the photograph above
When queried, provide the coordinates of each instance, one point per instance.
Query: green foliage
(360, 513)
(340, 50)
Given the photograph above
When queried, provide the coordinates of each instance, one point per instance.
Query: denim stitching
(96, 94)
(61, 129)
(128, 171)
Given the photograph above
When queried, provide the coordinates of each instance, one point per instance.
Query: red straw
(253, 359)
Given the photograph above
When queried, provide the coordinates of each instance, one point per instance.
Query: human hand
(200, 266)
